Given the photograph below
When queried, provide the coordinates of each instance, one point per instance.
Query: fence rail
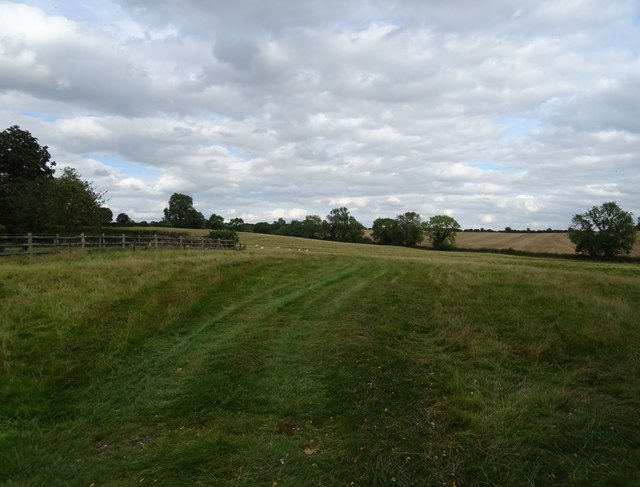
(32, 244)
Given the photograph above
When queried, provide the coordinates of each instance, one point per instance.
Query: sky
(498, 113)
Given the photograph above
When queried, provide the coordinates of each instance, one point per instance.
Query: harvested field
(552, 243)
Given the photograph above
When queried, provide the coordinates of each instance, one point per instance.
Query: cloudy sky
(498, 113)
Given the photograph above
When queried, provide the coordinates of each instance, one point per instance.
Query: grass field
(300, 363)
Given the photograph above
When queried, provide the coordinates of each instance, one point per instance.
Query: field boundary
(37, 244)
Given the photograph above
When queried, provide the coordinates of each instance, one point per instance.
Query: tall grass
(324, 364)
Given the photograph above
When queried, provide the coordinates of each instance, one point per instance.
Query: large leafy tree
(387, 231)
(74, 204)
(603, 231)
(442, 230)
(22, 158)
(123, 219)
(407, 229)
(25, 170)
(181, 213)
(344, 227)
(215, 222)
(412, 228)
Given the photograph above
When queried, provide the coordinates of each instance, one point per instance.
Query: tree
(387, 231)
(236, 224)
(181, 213)
(343, 227)
(25, 170)
(312, 227)
(412, 228)
(106, 215)
(215, 222)
(123, 219)
(262, 227)
(442, 230)
(22, 157)
(407, 230)
(603, 231)
(74, 203)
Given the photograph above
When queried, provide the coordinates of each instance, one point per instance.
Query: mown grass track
(320, 369)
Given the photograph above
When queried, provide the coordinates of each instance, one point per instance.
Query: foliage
(22, 158)
(75, 203)
(262, 227)
(236, 224)
(603, 231)
(25, 166)
(225, 234)
(343, 227)
(407, 229)
(123, 219)
(181, 213)
(106, 215)
(387, 231)
(442, 230)
(215, 222)
(311, 227)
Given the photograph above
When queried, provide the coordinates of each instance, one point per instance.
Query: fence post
(202, 243)
(181, 244)
(124, 241)
(155, 241)
(56, 243)
(29, 243)
(82, 241)
(104, 243)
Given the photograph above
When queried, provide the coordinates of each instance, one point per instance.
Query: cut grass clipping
(329, 365)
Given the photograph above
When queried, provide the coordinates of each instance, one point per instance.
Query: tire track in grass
(228, 336)
(235, 371)
(186, 378)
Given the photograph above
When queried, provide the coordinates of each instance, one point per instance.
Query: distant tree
(236, 224)
(262, 227)
(75, 203)
(343, 227)
(123, 219)
(603, 231)
(413, 228)
(442, 230)
(407, 229)
(181, 213)
(313, 227)
(215, 222)
(277, 224)
(25, 170)
(387, 231)
(106, 215)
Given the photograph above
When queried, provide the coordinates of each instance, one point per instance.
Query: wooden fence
(32, 244)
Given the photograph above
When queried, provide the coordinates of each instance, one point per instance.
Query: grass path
(319, 369)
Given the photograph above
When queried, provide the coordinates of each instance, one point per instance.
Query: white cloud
(292, 108)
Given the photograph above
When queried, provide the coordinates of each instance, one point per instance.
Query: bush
(224, 234)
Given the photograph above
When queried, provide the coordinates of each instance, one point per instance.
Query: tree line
(33, 199)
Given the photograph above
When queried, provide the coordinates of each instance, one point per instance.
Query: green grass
(301, 363)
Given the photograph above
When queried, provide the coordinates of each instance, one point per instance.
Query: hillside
(301, 362)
